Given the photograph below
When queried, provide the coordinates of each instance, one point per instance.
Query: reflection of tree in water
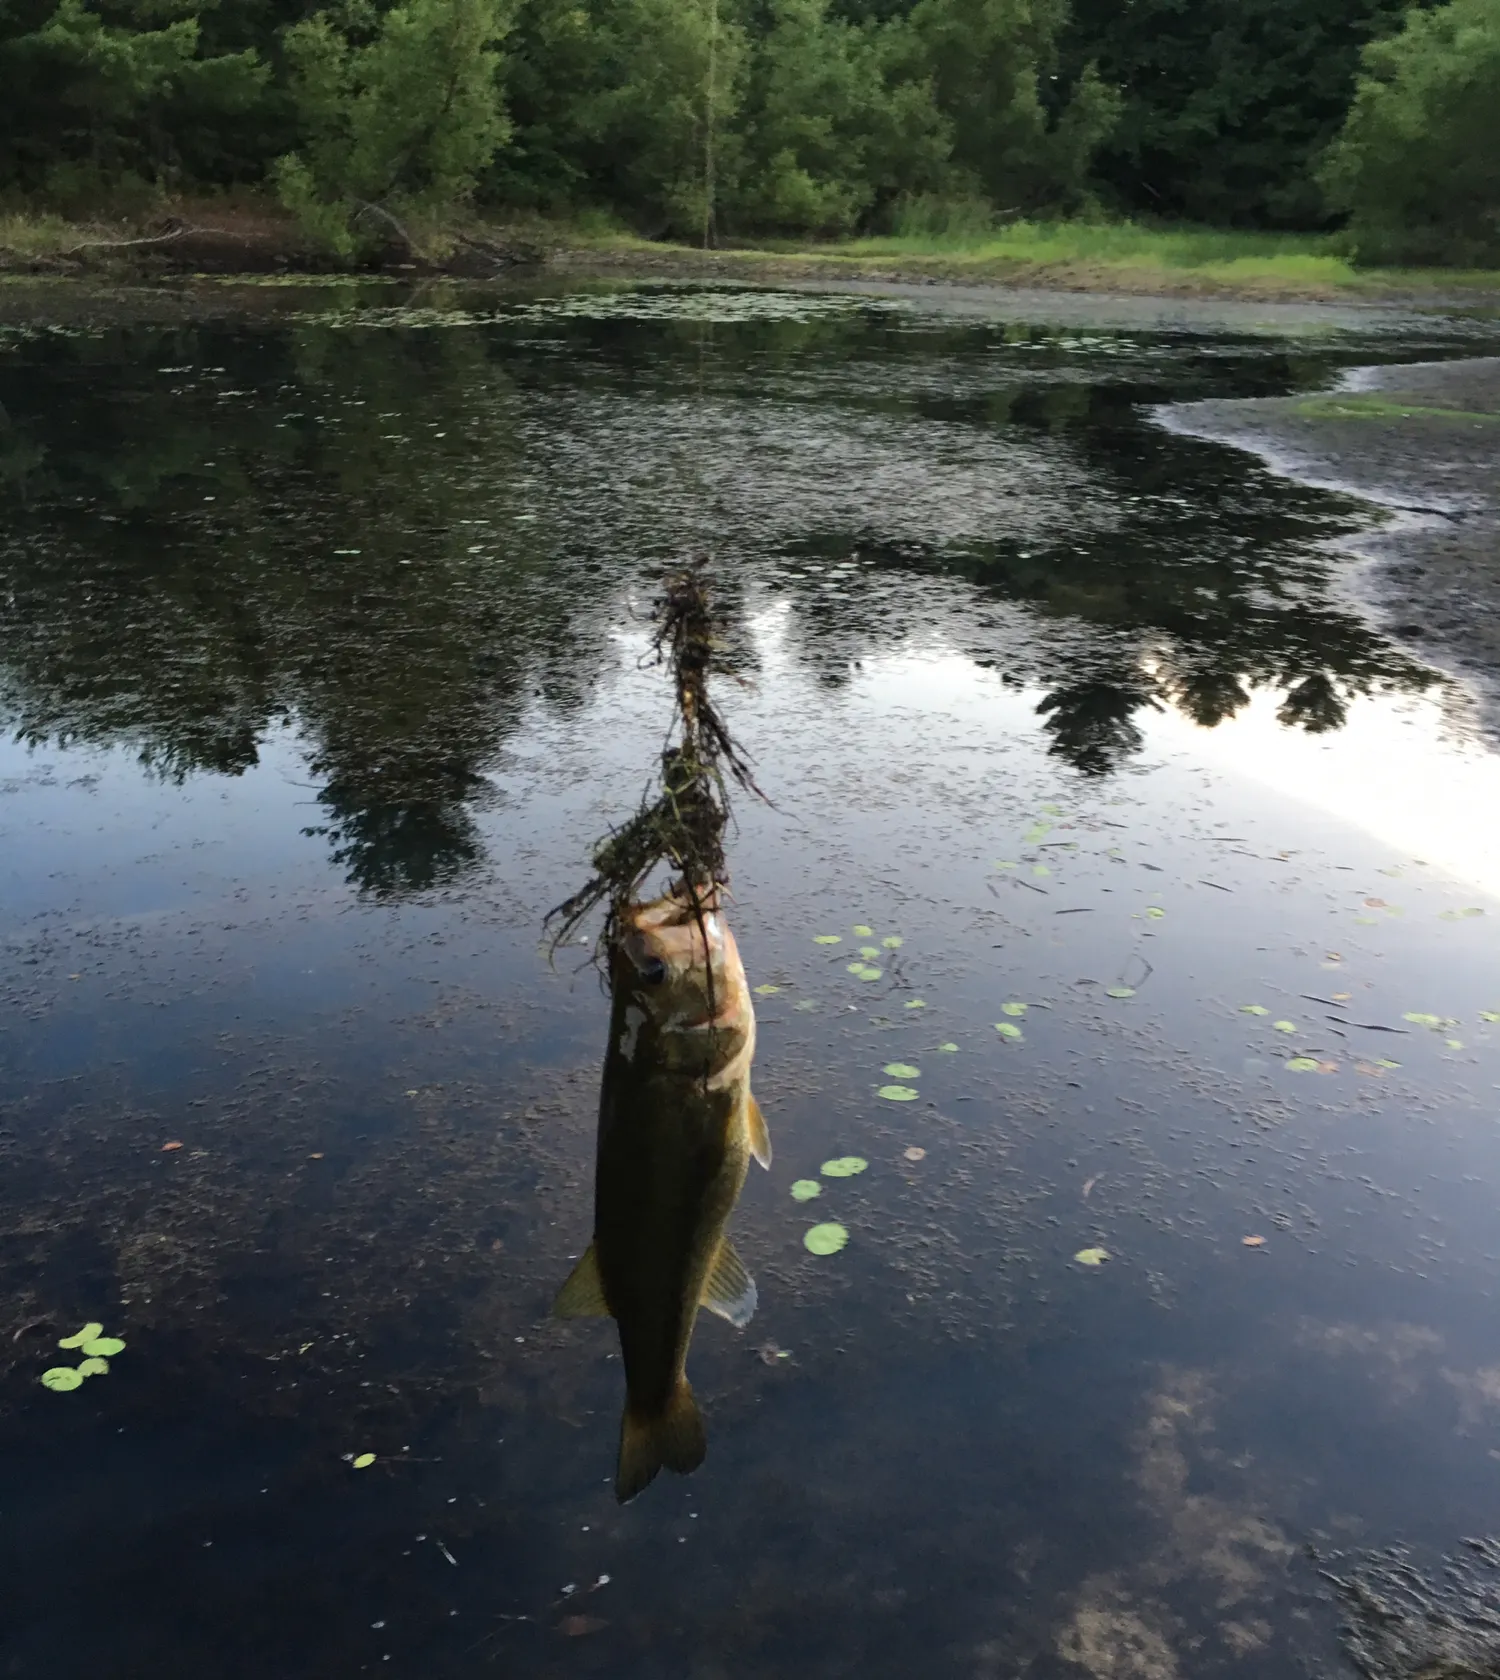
(390, 541)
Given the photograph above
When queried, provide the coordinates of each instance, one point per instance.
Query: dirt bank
(1422, 442)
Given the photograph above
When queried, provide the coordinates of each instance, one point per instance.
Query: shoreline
(1421, 442)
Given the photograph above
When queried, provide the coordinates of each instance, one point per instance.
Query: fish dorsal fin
(582, 1296)
(760, 1138)
(729, 1290)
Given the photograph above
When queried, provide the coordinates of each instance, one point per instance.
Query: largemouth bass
(677, 1128)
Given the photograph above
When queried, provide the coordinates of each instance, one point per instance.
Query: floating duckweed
(61, 1378)
(898, 1093)
(95, 1367)
(828, 939)
(104, 1347)
(825, 1239)
(1254, 1009)
(902, 1070)
(1302, 1064)
(1285, 1026)
(1120, 991)
(86, 1334)
(1012, 1008)
(805, 1189)
(1008, 1029)
(845, 1166)
(863, 931)
(893, 942)
(1091, 1256)
(364, 1461)
(948, 1047)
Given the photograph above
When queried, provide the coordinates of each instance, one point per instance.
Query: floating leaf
(1254, 1009)
(86, 1334)
(898, 1093)
(1459, 915)
(863, 931)
(893, 942)
(1155, 912)
(868, 952)
(95, 1367)
(1489, 1015)
(1037, 833)
(1253, 1242)
(364, 1461)
(1012, 1008)
(863, 971)
(952, 1047)
(1051, 810)
(1418, 1019)
(1008, 1029)
(805, 1189)
(767, 990)
(104, 1347)
(1386, 1062)
(1454, 1043)
(845, 1166)
(176, 1143)
(902, 1070)
(1285, 1026)
(1005, 863)
(915, 1154)
(916, 1003)
(1302, 1064)
(1368, 921)
(1119, 991)
(825, 1239)
(61, 1378)
(1091, 1256)
(805, 1003)
(1040, 869)
(828, 939)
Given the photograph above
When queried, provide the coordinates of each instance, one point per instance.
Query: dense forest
(736, 119)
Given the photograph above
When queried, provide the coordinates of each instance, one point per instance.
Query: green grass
(1357, 405)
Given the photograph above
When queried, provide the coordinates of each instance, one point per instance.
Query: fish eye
(653, 971)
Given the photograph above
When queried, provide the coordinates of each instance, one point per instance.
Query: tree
(399, 116)
(1417, 164)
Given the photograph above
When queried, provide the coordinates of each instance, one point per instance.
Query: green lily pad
(893, 942)
(1454, 1043)
(767, 990)
(86, 1334)
(1385, 1062)
(1037, 833)
(864, 971)
(1155, 912)
(61, 1378)
(915, 1003)
(898, 1093)
(1005, 863)
(863, 931)
(1418, 1019)
(364, 1461)
(948, 1048)
(1008, 1029)
(1285, 1026)
(1040, 869)
(1302, 1064)
(1489, 1015)
(1091, 1256)
(1254, 1009)
(902, 1070)
(1012, 1008)
(844, 1166)
(93, 1368)
(805, 1189)
(104, 1347)
(869, 952)
(805, 1004)
(828, 939)
(1119, 991)
(1460, 915)
(825, 1239)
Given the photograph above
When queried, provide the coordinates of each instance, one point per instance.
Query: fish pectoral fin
(729, 1290)
(760, 1138)
(582, 1296)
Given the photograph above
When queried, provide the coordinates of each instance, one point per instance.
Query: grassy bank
(251, 235)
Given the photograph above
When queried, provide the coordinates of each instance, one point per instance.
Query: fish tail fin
(673, 1437)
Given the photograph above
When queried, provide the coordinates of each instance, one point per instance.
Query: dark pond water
(322, 665)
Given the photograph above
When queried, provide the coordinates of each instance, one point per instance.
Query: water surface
(325, 660)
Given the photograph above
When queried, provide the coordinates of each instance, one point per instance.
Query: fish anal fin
(673, 1438)
(729, 1290)
(760, 1138)
(582, 1296)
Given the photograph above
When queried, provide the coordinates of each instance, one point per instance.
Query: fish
(678, 1126)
